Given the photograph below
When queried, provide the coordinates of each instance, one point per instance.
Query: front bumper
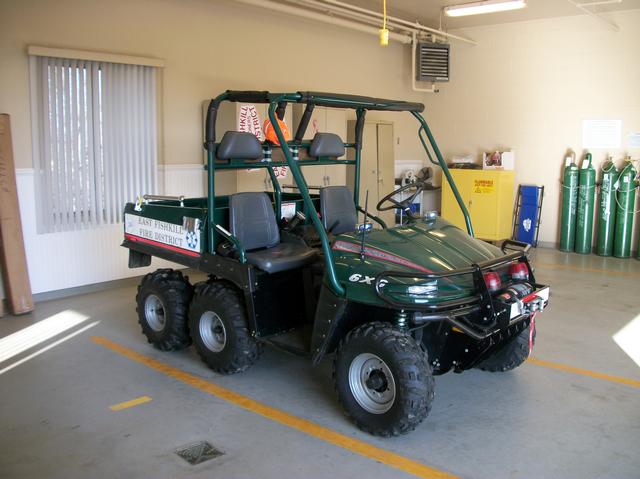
(479, 315)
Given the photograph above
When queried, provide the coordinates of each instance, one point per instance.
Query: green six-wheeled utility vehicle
(393, 305)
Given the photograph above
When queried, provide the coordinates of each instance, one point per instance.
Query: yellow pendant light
(384, 31)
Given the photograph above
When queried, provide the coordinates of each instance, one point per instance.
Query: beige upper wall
(528, 86)
(208, 46)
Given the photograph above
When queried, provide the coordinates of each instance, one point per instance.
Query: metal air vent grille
(432, 62)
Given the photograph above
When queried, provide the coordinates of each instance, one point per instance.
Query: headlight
(423, 289)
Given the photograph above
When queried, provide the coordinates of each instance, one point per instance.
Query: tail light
(519, 271)
(492, 280)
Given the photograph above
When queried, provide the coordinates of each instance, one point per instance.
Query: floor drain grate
(198, 452)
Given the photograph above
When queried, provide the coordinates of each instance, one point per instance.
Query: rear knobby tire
(511, 355)
(219, 328)
(379, 404)
(162, 304)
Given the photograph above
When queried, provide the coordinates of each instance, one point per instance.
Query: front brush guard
(455, 311)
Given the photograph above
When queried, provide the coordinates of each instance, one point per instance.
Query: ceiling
(428, 11)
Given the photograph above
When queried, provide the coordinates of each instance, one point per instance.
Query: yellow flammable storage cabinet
(488, 195)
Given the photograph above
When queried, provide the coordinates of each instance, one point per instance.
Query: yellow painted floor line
(585, 372)
(312, 429)
(128, 404)
(537, 264)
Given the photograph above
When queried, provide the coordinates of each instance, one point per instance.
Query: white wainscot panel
(77, 258)
(187, 180)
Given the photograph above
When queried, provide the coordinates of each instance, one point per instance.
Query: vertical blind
(96, 140)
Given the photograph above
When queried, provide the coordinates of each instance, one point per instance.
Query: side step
(295, 341)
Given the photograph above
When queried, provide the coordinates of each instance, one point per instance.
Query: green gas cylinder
(569, 203)
(607, 209)
(625, 199)
(586, 200)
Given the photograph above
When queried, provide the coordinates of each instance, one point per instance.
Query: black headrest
(326, 144)
(338, 209)
(239, 145)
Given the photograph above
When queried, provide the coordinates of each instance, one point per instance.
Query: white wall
(529, 85)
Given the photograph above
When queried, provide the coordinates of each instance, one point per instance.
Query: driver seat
(251, 216)
(253, 222)
(338, 210)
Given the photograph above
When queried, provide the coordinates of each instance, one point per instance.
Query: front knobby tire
(511, 355)
(383, 379)
(162, 304)
(219, 327)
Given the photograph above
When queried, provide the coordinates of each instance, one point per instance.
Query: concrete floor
(534, 422)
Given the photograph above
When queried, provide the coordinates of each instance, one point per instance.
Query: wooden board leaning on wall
(15, 276)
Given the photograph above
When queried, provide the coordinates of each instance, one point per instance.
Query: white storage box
(498, 160)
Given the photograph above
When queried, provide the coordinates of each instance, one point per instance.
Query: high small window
(95, 140)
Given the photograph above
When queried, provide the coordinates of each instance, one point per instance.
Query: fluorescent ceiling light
(488, 6)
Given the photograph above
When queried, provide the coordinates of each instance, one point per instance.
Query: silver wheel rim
(154, 313)
(372, 383)
(212, 331)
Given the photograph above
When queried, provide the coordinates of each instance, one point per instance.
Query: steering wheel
(404, 204)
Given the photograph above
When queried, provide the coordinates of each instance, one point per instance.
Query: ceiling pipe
(301, 12)
(331, 11)
(612, 26)
(412, 26)
(334, 10)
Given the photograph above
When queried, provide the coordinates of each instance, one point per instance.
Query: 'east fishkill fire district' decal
(162, 232)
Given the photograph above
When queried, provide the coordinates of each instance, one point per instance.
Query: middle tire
(219, 328)
(383, 379)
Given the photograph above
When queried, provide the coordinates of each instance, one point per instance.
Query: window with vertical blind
(95, 140)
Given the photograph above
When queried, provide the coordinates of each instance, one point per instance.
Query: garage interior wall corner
(528, 86)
